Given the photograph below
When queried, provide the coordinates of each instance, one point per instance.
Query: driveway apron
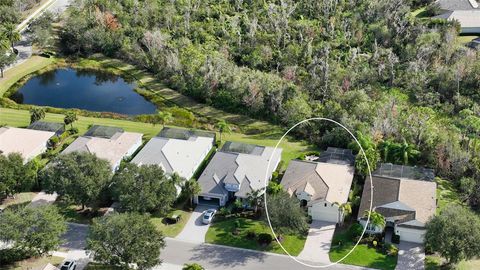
(194, 231)
(318, 242)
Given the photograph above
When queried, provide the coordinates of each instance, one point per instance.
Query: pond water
(84, 89)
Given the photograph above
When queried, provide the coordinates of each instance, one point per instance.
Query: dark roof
(455, 5)
(183, 134)
(103, 131)
(243, 148)
(58, 128)
(407, 172)
(337, 156)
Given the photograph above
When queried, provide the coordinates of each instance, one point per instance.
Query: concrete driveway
(318, 242)
(194, 231)
(411, 256)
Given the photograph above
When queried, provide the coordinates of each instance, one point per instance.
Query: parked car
(69, 265)
(208, 216)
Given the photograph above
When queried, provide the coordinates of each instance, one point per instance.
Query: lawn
(33, 263)
(22, 198)
(362, 255)
(14, 74)
(221, 233)
(464, 39)
(171, 230)
(291, 149)
(74, 213)
(446, 194)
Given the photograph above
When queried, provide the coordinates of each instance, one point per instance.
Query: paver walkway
(318, 242)
(411, 256)
(194, 231)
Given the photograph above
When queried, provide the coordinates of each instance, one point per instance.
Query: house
(176, 150)
(57, 128)
(405, 196)
(466, 12)
(235, 171)
(322, 184)
(27, 142)
(110, 143)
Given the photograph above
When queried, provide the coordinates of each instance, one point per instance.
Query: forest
(406, 85)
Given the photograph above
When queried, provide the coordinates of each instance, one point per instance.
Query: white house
(109, 143)
(322, 185)
(176, 150)
(405, 196)
(28, 143)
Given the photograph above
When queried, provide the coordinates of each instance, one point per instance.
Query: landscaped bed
(222, 233)
(363, 255)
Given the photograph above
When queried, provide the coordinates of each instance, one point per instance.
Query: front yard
(222, 233)
(362, 255)
(33, 263)
(171, 230)
(21, 199)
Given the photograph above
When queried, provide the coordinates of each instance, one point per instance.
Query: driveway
(318, 242)
(411, 256)
(194, 231)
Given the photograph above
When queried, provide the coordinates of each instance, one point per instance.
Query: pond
(84, 89)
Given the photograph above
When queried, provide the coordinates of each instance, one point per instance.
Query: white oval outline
(266, 184)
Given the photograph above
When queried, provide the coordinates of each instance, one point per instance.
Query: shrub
(9, 256)
(251, 234)
(265, 239)
(236, 224)
(355, 230)
(73, 131)
(224, 211)
(54, 141)
(390, 249)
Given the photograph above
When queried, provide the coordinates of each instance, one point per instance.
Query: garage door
(208, 201)
(322, 214)
(410, 235)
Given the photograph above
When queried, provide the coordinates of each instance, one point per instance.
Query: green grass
(33, 263)
(291, 149)
(446, 194)
(464, 39)
(221, 233)
(419, 13)
(99, 266)
(22, 198)
(73, 213)
(171, 230)
(14, 74)
(362, 255)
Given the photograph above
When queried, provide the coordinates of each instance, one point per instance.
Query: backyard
(221, 233)
(362, 255)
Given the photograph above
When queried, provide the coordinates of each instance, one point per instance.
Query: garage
(204, 200)
(324, 211)
(415, 235)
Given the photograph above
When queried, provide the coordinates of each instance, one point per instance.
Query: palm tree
(223, 127)
(191, 188)
(344, 209)
(255, 199)
(376, 219)
(11, 33)
(405, 153)
(164, 118)
(36, 114)
(70, 117)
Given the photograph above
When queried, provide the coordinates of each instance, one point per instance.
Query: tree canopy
(285, 213)
(123, 239)
(16, 176)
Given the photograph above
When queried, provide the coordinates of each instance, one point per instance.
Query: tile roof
(27, 142)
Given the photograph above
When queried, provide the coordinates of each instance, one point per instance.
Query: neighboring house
(176, 150)
(27, 142)
(466, 12)
(236, 170)
(57, 128)
(405, 196)
(323, 184)
(110, 143)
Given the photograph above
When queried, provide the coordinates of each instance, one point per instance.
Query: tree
(16, 176)
(223, 127)
(191, 188)
(376, 219)
(255, 198)
(344, 209)
(285, 213)
(124, 239)
(34, 230)
(192, 266)
(70, 118)
(164, 118)
(454, 234)
(361, 164)
(36, 114)
(78, 177)
(144, 188)
(11, 33)
(6, 57)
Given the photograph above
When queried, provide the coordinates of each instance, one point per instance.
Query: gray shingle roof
(455, 5)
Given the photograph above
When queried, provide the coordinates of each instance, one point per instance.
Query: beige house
(322, 185)
(27, 142)
(111, 144)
